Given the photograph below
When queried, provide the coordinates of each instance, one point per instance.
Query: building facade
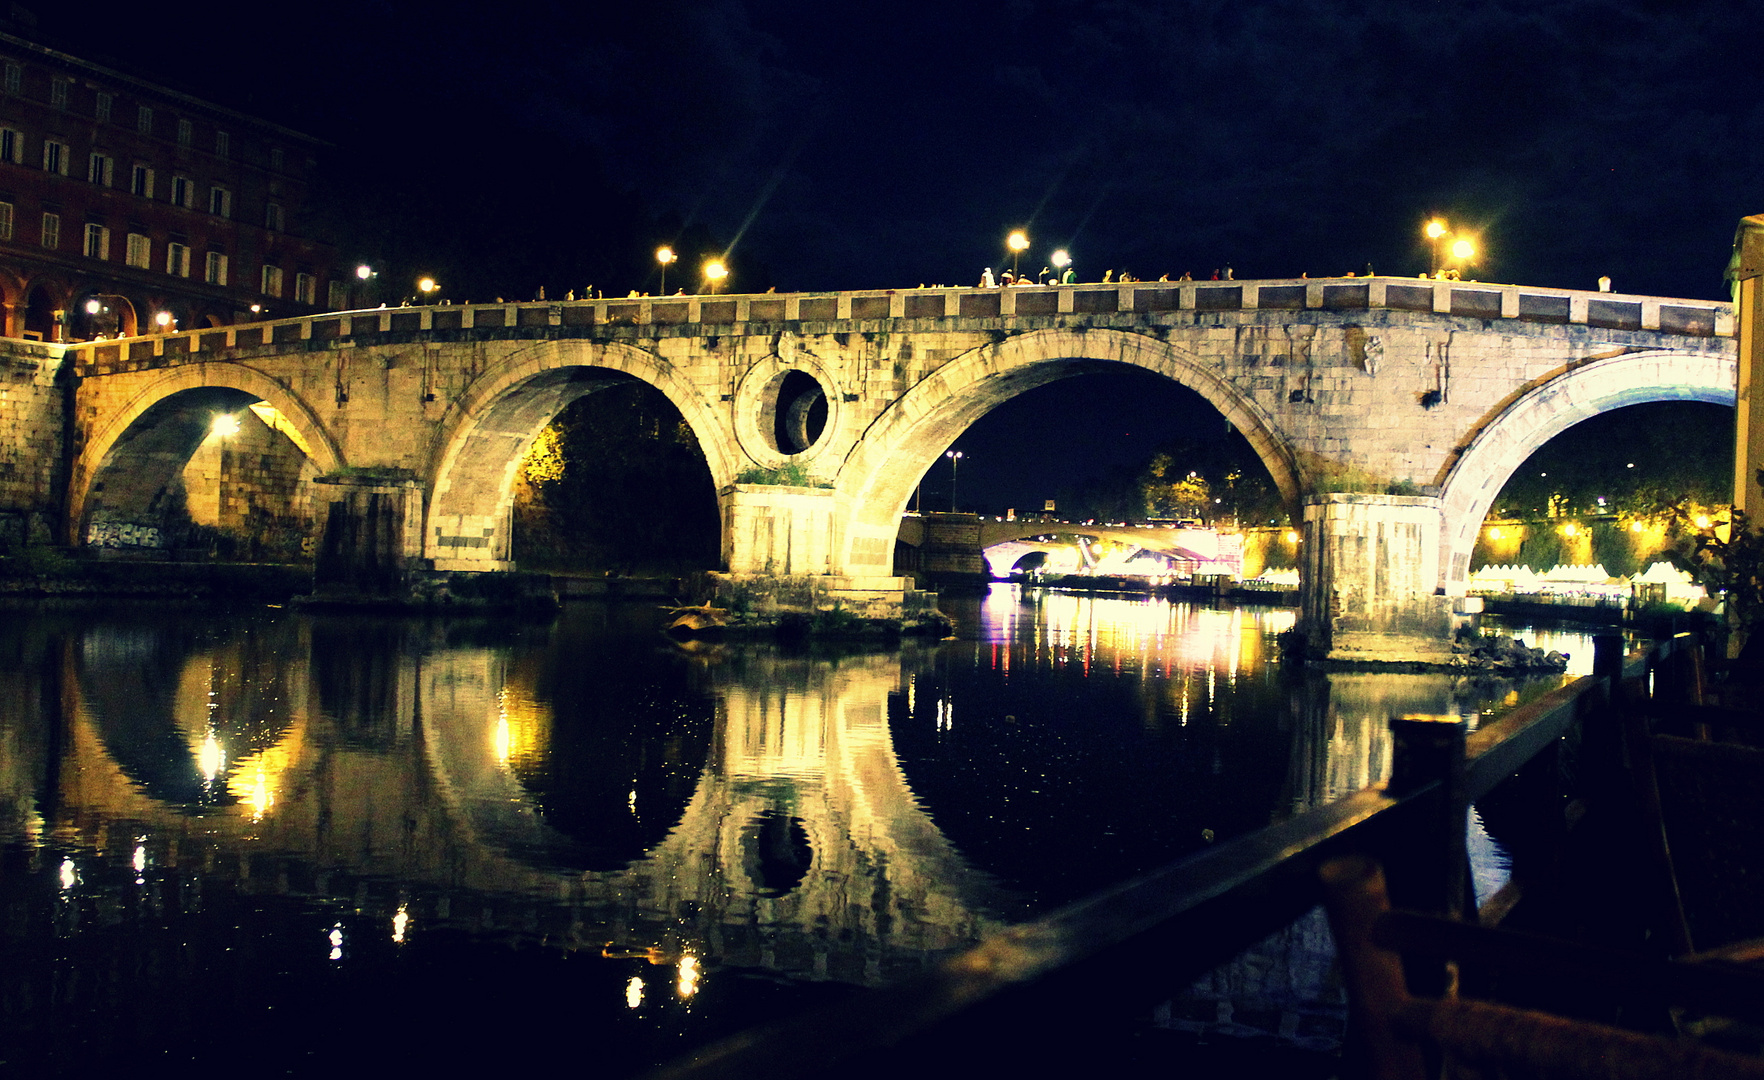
(126, 207)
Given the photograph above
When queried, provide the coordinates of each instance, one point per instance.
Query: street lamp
(955, 462)
(101, 307)
(427, 287)
(1061, 259)
(664, 255)
(714, 273)
(1018, 242)
(163, 320)
(1460, 246)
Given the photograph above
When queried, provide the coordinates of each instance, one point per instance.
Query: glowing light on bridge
(1018, 242)
(716, 271)
(225, 424)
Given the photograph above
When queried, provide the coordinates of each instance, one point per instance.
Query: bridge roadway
(1389, 411)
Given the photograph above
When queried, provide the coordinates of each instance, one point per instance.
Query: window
(186, 132)
(141, 182)
(5, 221)
(182, 191)
(55, 157)
(51, 230)
(217, 269)
(58, 93)
(177, 259)
(272, 281)
(272, 217)
(305, 289)
(12, 146)
(220, 202)
(223, 144)
(101, 169)
(97, 242)
(102, 111)
(144, 120)
(276, 158)
(339, 295)
(140, 253)
(14, 77)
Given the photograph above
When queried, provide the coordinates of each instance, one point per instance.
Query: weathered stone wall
(31, 453)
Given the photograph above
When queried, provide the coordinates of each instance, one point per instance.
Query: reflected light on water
(523, 728)
(68, 875)
(335, 937)
(634, 993)
(400, 922)
(210, 757)
(689, 975)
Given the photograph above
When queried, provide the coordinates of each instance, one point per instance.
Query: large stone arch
(95, 455)
(1498, 446)
(878, 478)
(487, 432)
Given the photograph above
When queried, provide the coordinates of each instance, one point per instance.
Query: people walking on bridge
(987, 281)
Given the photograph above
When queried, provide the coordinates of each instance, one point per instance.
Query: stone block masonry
(32, 452)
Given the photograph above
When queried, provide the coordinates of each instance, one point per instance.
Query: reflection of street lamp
(1018, 242)
(714, 273)
(664, 255)
(955, 462)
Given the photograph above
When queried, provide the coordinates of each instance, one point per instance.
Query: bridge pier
(1371, 571)
(371, 538)
(780, 545)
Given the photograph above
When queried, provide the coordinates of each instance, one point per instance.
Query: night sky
(830, 146)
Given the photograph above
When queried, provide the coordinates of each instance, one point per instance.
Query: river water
(275, 842)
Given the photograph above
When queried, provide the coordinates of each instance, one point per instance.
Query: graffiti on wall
(123, 534)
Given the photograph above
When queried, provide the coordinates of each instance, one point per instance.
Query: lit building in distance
(126, 206)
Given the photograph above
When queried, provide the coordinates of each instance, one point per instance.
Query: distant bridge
(1348, 389)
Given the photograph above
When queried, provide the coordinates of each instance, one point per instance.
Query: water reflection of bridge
(413, 768)
(418, 767)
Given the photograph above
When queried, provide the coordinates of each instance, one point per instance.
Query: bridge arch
(1498, 447)
(489, 430)
(102, 448)
(880, 476)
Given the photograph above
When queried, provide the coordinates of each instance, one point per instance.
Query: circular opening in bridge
(798, 407)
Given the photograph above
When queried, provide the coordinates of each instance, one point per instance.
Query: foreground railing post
(1429, 870)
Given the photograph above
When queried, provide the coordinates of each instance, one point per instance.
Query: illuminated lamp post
(1460, 247)
(164, 321)
(955, 462)
(1434, 230)
(1018, 242)
(1060, 259)
(427, 288)
(364, 276)
(715, 272)
(664, 255)
(101, 304)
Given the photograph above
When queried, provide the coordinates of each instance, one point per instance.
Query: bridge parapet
(1001, 306)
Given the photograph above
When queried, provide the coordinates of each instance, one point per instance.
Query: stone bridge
(1388, 411)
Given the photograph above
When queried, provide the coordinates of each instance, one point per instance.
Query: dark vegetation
(617, 483)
